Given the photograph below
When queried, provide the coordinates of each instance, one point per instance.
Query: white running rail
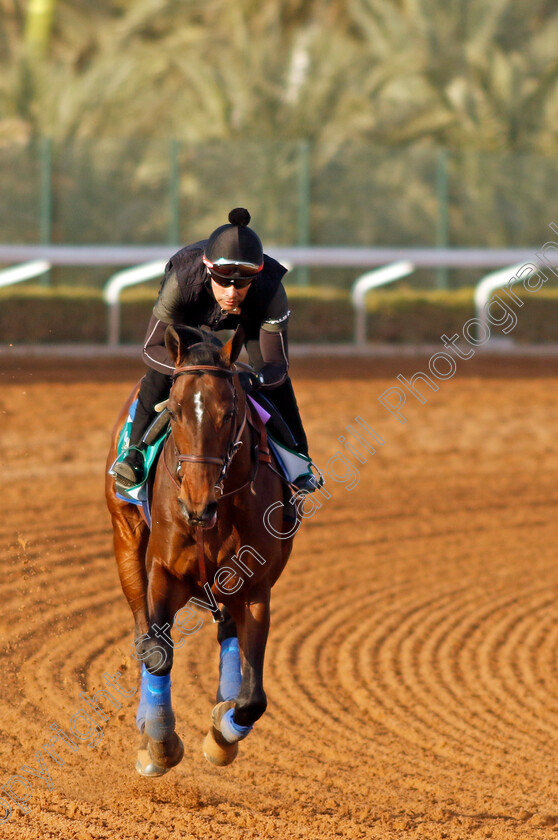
(26, 271)
(371, 280)
(312, 255)
(121, 280)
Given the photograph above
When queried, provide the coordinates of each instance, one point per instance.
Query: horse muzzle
(205, 518)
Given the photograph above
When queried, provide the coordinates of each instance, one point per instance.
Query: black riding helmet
(234, 250)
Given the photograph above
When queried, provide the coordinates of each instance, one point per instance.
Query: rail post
(488, 284)
(119, 281)
(371, 280)
(26, 271)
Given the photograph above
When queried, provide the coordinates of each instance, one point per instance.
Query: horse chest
(184, 560)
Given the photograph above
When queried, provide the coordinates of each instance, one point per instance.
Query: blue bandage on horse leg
(231, 731)
(159, 717)
(230, 676)
(142, 706)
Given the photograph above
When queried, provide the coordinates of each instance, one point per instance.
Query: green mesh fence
(110, 192)
(20, 197)
(155, 192)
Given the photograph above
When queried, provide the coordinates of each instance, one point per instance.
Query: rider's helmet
(234, 251)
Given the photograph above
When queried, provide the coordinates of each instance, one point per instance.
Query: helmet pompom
(239, 216)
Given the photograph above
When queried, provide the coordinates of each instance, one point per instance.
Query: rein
(234, 445)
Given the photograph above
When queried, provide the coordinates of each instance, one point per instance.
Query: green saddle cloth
(138, 493)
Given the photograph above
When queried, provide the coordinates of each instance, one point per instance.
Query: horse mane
(194, 346)
(204, 353)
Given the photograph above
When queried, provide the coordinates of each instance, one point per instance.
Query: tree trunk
(38, 25)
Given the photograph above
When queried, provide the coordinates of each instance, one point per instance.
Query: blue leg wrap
(230, 730)
(230, 677)
(159, 716)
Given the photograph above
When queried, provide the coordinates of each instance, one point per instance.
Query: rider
(219, 283)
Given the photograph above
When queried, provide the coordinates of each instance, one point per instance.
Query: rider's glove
(270, 376)
(249, 381)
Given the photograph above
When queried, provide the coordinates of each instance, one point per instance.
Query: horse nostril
(209, 516)
(205, 517)
(183, 508)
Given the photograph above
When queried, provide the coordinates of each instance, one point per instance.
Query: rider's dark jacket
(185, 297)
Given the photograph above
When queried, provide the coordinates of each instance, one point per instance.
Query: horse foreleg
(230, 676)
(215, 748)
(253, 628)
(233, 718)
(161, 748)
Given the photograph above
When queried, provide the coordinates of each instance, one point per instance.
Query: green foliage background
(371, 122)
(480, 74)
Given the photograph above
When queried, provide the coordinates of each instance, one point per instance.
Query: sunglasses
(231, 273)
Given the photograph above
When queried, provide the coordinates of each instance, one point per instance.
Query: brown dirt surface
(411, 667)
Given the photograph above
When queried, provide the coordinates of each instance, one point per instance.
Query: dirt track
(411, 670)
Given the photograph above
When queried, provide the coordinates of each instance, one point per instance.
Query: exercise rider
(219, 283)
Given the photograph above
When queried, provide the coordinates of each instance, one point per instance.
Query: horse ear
(172, 343)
(232, 348)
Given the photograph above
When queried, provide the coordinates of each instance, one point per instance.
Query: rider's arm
(154, 351)
(166, 311)
(270, 354)
(169, 303)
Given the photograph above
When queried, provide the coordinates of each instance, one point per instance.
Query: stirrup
(309, 483)
(128, 474)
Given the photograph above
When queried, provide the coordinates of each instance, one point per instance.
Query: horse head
(207, 409)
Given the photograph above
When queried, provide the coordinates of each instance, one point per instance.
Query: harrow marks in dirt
(411, 667)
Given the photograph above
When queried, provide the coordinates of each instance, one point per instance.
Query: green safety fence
(130, 191)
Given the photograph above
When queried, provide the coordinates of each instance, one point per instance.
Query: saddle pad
(293, 464)
(264, 415)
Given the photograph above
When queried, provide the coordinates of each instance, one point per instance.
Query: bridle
(235, 441)
(233, 446)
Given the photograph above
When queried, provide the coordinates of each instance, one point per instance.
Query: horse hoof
(217, 750)
(155, 758)
(146, 767)
(166, 753)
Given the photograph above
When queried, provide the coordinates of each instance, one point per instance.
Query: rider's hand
(270, 376)
(249, 381)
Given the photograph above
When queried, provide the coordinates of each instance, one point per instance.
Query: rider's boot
(130, 470)
(154, 388)
(309, 483)
(284, 400)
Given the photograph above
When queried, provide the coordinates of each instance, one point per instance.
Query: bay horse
(216, 513)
